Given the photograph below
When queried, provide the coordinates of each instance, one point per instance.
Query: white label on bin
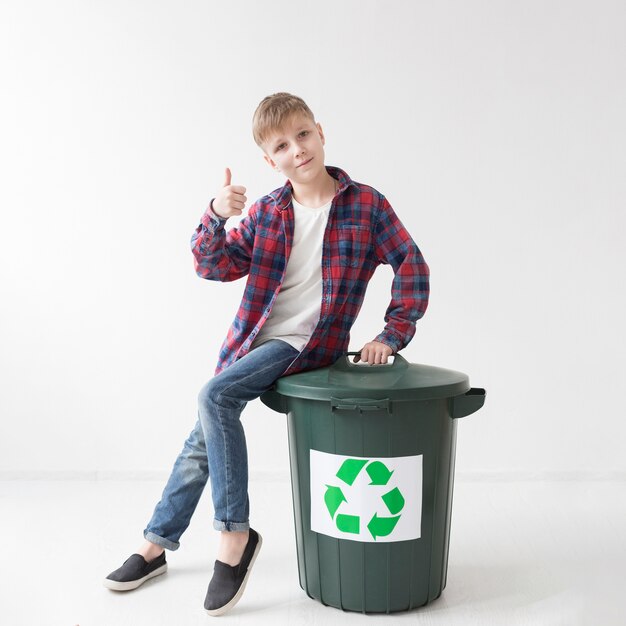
(366, 498)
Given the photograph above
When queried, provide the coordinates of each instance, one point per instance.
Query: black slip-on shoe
(134, 572)
(228, 582)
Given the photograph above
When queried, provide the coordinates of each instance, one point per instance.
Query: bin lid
(399, 380)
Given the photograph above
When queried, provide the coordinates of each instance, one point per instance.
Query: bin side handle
(360, 404)
(468, 403)
(275, 401)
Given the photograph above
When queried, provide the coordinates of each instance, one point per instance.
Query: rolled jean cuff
(231, 526)
(160, 541)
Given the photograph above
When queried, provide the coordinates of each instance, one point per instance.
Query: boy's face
(297, 149)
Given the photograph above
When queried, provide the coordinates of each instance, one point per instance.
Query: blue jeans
(216, 448)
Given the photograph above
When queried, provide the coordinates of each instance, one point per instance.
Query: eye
(304, 132)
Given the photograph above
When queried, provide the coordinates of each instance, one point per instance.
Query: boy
(309, 250)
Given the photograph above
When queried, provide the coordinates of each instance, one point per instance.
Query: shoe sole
(133, 584)
(229, 605)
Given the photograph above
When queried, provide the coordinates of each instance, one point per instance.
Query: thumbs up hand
(230, 199)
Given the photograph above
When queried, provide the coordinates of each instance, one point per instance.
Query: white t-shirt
(296, 309)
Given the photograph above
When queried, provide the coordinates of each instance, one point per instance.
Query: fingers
(374, 353)
(235, 192)
(373, 357)
(235, 198)
(230, 199)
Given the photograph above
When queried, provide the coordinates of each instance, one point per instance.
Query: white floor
(521, 553)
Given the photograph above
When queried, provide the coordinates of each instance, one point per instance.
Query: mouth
(301, 164)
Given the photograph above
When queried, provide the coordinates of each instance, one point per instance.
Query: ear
(321, 132)
(269, 161)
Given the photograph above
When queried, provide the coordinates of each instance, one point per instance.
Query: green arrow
(348, 523)
(379, 473)
(394, 501)
(350, 469)
(333, 498)
(382, 526)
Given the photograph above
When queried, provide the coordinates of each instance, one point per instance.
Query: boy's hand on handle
(230, 199)
(375, 353)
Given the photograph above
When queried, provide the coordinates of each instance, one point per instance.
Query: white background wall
(496, 130)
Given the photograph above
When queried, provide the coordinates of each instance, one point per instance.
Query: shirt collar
(282, 196)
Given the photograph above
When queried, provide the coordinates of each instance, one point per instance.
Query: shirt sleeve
(410, 288)
(221, 255)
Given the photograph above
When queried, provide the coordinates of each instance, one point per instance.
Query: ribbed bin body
(375, 577)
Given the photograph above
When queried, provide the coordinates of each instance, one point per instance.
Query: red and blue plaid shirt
(362, 232)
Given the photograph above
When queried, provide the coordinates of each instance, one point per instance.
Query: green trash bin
(372, 453)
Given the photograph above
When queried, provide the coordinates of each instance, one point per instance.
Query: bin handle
(468, 403)
(345, 365)
(360, 404)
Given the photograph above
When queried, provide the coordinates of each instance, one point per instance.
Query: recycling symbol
(379, 475)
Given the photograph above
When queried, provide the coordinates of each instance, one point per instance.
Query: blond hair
(272, 113)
